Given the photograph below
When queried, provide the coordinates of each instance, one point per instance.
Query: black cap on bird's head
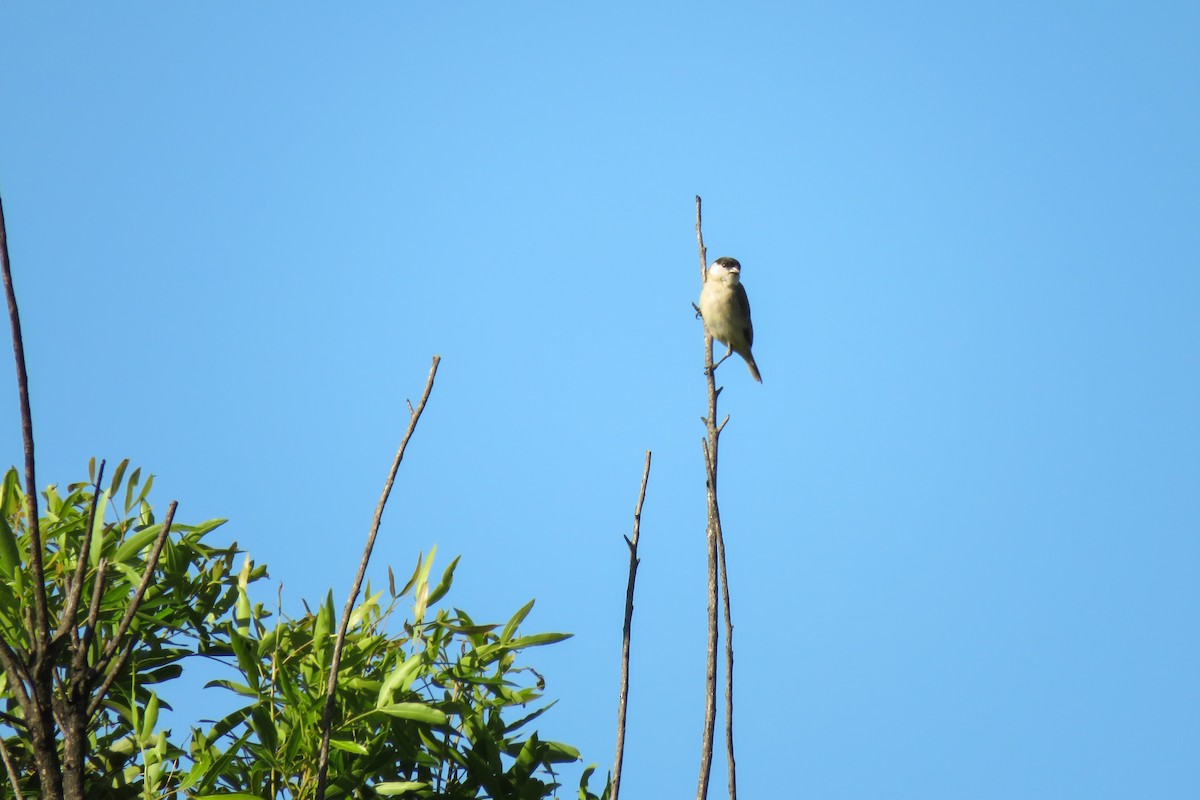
(728, 263)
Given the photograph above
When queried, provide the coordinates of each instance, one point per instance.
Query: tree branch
(12, 772)
(331, 686)
(624, 695)
(93, 617)
(728, 664)
(67, 623)
(135, 603)
(710, 458)
(716, 567)
(17, 671)
(41, 634)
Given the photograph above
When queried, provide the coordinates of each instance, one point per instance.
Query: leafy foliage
(190, 590)
(439, 708)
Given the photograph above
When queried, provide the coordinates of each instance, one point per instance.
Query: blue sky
(963, 509)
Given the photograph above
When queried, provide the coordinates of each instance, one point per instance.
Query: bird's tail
(754, 373)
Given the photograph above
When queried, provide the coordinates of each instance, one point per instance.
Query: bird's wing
(739, 295)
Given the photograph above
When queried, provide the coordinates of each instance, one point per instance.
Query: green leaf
(516, 620)
(134, 479)
(10, 499)
(421, 600)
(364, 608)
(418, 712)
(539, 639)
(323, 624)
(149, 718)
(118, 474)
(349, 747)
(146, 489)
(411, 581)
(443, 585)
(10, 554)
(394, 788)
(135, 543)
(560, 753)
(167, 673)
(233, 687)
(399, 678)
(97, 549)
(54, 503)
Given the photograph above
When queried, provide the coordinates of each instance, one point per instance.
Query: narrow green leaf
(516, 620)
(421, 600)
(10, 554)
(411, 581)
(400, 678)
(162, 674)
(134, 479)
(520, 723)
(444, 585)
(396, 788)
(560, 753)
(54, 503)
(118, 474)
(418, 712)
(146, 489)
(237, 688)
(10, 502)
(149, 718)
(242, 613)
(134, 544)
(349, 747)
(539, 639)
(323, 624)
(356, 617)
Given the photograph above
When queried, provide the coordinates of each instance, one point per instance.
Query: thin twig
(107, 662)
(716, 567)
(12, 772)
(41, 617)
(18, 672)
(117, 665)
(136, 602)
(67, 623)
(728, 664)
(93, 617)
(710, 459)
(331, 685)
(624, 697)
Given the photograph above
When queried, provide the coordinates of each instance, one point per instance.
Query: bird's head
(725, 269)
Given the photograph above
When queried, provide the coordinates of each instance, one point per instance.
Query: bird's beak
(735, 270)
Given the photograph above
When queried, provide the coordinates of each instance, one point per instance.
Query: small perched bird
(726, 311)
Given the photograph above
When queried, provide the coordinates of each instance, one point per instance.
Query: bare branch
(710, 457)
(331, 686)
(624, 695)
(136, 602)
(93, 618)
(67, 623)
(728, 665)
(17, 671)
(716, 568)
(12, 772)
(41, 633)
(115, 669)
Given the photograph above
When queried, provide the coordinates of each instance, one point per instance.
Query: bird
(726, 311)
